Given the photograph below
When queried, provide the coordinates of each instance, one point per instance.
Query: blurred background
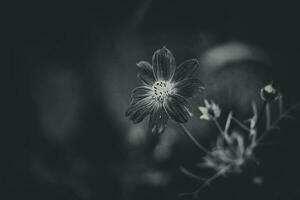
(73, 68)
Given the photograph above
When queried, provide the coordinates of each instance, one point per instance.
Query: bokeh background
(73, 68)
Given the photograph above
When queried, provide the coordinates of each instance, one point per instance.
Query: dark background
(73, 66)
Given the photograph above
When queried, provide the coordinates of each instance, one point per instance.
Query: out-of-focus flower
(164, 90)
(210, 111)
(269, 93)
(229, 157)
(230, 153)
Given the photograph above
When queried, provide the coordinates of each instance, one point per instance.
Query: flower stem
(240, 124)
(261, 113)
(191, 174)
(215, 176)
(193, 139)
(268, 117)
(225, 135)
(280, 104)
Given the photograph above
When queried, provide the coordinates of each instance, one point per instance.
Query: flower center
(211, 112)
(161, 90)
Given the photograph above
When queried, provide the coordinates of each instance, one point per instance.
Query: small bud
(269, 93)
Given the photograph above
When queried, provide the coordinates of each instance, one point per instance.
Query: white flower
(164, 91)
(210, 110)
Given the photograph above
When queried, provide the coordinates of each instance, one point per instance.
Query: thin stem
(280, 104)
(193, 139)
(225, 135)
(261, 113)
(268, 116)
(192, 175)
(216, 175)
(253, 135)
(240, 124)
(228, 122)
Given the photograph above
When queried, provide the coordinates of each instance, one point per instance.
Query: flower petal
(177, 108)
(163, 63)
(186, 69)
(140, 92)
(205, 117)
(207, 104)
(140, 109)
(203, 110)
(158, 120)
(188, 87)
(145, 73)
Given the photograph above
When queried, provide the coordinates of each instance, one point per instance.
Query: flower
(229, 157)
(231, 153)
(210, 110)
(269, 93)
(164, 90)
